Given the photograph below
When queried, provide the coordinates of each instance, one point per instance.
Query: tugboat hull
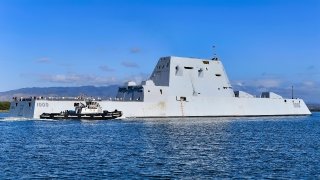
(71, 115)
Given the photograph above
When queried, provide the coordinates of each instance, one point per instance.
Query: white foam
(9, 119)
(14, 119)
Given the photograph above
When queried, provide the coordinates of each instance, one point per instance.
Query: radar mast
(215, 57)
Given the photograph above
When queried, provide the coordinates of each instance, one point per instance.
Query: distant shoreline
(318, 110)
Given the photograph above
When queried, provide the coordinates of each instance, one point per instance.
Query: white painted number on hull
(42, 104)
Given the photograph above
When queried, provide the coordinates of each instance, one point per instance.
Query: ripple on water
(267, 147)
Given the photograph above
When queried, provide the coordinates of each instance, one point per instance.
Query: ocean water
(185, 148)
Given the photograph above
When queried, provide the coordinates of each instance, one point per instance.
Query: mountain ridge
(95, 91)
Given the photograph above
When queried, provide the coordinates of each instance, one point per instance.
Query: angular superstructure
(177, 87)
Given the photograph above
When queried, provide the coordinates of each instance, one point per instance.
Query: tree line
(4, 106)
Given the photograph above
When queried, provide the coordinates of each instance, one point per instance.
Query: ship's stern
(22, 107)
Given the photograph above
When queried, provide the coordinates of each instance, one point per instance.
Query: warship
(177, 87)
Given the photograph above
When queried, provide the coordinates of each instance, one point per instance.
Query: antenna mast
(214, 53)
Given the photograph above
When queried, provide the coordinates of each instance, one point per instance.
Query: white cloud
(307, 90)
(43, 60)
(268, 83)
(79, 79)
(238, 83)
(106, 68)
(135, 50)
(138, 78)
(86, 79)
(309, 83)
(259, 83)
(129, 64)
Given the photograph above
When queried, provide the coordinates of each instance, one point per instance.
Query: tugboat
(89, 111)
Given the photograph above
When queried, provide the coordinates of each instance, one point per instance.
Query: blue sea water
(186, 148)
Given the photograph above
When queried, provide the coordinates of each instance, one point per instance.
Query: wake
(11, 119)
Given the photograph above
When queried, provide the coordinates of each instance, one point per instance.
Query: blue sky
(264, 45)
